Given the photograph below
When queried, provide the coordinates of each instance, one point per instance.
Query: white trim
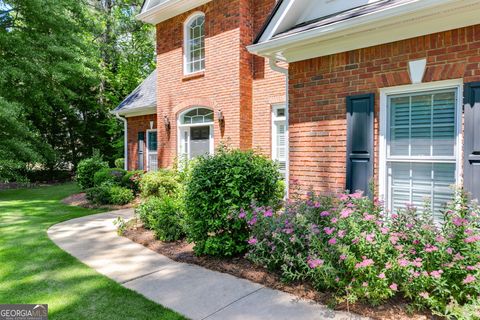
(186, 38)
(404, 21)
(125, 139)
(147, 148)
(168, 9)
(414, 88)
(137, 111)
(275, 121)
(181, 128)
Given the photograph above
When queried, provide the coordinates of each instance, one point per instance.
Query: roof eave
(136, 111)
(350, 34)
(168, 9)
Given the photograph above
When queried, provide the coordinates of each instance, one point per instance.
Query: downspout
(125, 139)
(273, 65)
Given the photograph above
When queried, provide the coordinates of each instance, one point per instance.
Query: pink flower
(268, 213)
(325, 214)
(343, 197)
(252, 241)
(381, 275)
(430, 248)
(355, 241)
(394, 287)
(242, 214)
(365, 284)
(334, 220)
(368, 217)
(332, 241)
(253, 221)
(341, 233)
(313, 263)
(388, 265)
(337, 279)
(343, 257)
(424, 295)
(459, 221)
(469, 279)
(329, 231)
(393, 240)
(345, 213)
(365, 263)
(357, 195)
(472, 239)
(436, 274)
(403, 262)
(440, 239)
(384, 230)
(370, 237)
(449, 250)
(394, 216)
(288, 230)
(470, 268)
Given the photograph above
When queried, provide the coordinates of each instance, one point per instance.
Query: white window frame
(186, 45)
(182, 128)
(275, 121)
(148, 149)
(456, 84)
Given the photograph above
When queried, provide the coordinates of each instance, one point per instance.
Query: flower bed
(346, 245)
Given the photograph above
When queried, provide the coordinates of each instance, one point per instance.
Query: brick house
(378, 90)
(382, 90)
(207, 88)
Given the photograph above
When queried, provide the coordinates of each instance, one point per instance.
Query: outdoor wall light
(220, 117)
(151, 124)
(166, 122)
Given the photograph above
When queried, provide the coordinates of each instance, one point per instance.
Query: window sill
(192, 76)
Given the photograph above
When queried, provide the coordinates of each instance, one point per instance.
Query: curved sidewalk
(191, 290)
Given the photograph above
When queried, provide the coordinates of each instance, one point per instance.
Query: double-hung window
(279, 138)
(422, 129)
(194, 43)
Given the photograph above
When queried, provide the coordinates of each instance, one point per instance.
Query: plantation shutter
(359, 142)
(141, 150)
(471, 176)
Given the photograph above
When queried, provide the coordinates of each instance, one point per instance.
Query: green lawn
(34, 270)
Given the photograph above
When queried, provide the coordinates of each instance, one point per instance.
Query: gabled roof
(142, 100)
(156, 11)
(304, 29)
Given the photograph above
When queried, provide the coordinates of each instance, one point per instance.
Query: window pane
(422, 125)
(414, 183)
(152, 141)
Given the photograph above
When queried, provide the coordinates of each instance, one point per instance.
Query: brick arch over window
(194, 102)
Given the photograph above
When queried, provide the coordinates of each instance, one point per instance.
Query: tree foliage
(65, 64)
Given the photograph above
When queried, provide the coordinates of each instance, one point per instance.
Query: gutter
(125, 139)
(275, 67)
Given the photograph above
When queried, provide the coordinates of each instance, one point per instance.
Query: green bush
(164, 216)
(114, 176)
(87, 168)
(163, 182)
(120, 163)
(220, 184)
(110, 194)
(131, 180)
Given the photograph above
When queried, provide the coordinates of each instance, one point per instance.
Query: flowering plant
(346, 244)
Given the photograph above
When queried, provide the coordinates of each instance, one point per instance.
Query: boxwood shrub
(164, 216)
(87, 168)
(160, 183)
(114, 176)
(220, 184)
(110, 194)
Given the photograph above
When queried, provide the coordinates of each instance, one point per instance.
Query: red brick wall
(136, 125)
(318, 88)
(228, 82)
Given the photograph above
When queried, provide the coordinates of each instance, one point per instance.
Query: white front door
(196, 141)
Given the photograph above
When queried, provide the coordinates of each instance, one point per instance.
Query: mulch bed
(80, 200)
(240, 267)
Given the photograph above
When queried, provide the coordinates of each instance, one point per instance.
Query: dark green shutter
(141, 150)
(471, 171)
(360, 142)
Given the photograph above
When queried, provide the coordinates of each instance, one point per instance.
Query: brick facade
(242, 86)
(135, 125)
(318, 89)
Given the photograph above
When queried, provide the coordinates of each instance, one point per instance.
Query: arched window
(195, 133)
(195, 43)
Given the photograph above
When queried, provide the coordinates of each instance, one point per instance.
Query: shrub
(110, 194)
(344, 244)
(120, 163)
(113, 176)
(131, 180)
(87, 168)
(217, 186)
(164, 216)
(163, 182)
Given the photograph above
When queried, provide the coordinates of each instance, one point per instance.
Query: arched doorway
(195, 133)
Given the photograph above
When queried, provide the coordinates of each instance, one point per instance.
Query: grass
(34, 270)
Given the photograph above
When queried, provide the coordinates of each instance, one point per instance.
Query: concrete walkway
(193, 291)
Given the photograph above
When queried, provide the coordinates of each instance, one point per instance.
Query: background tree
(65, 64)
